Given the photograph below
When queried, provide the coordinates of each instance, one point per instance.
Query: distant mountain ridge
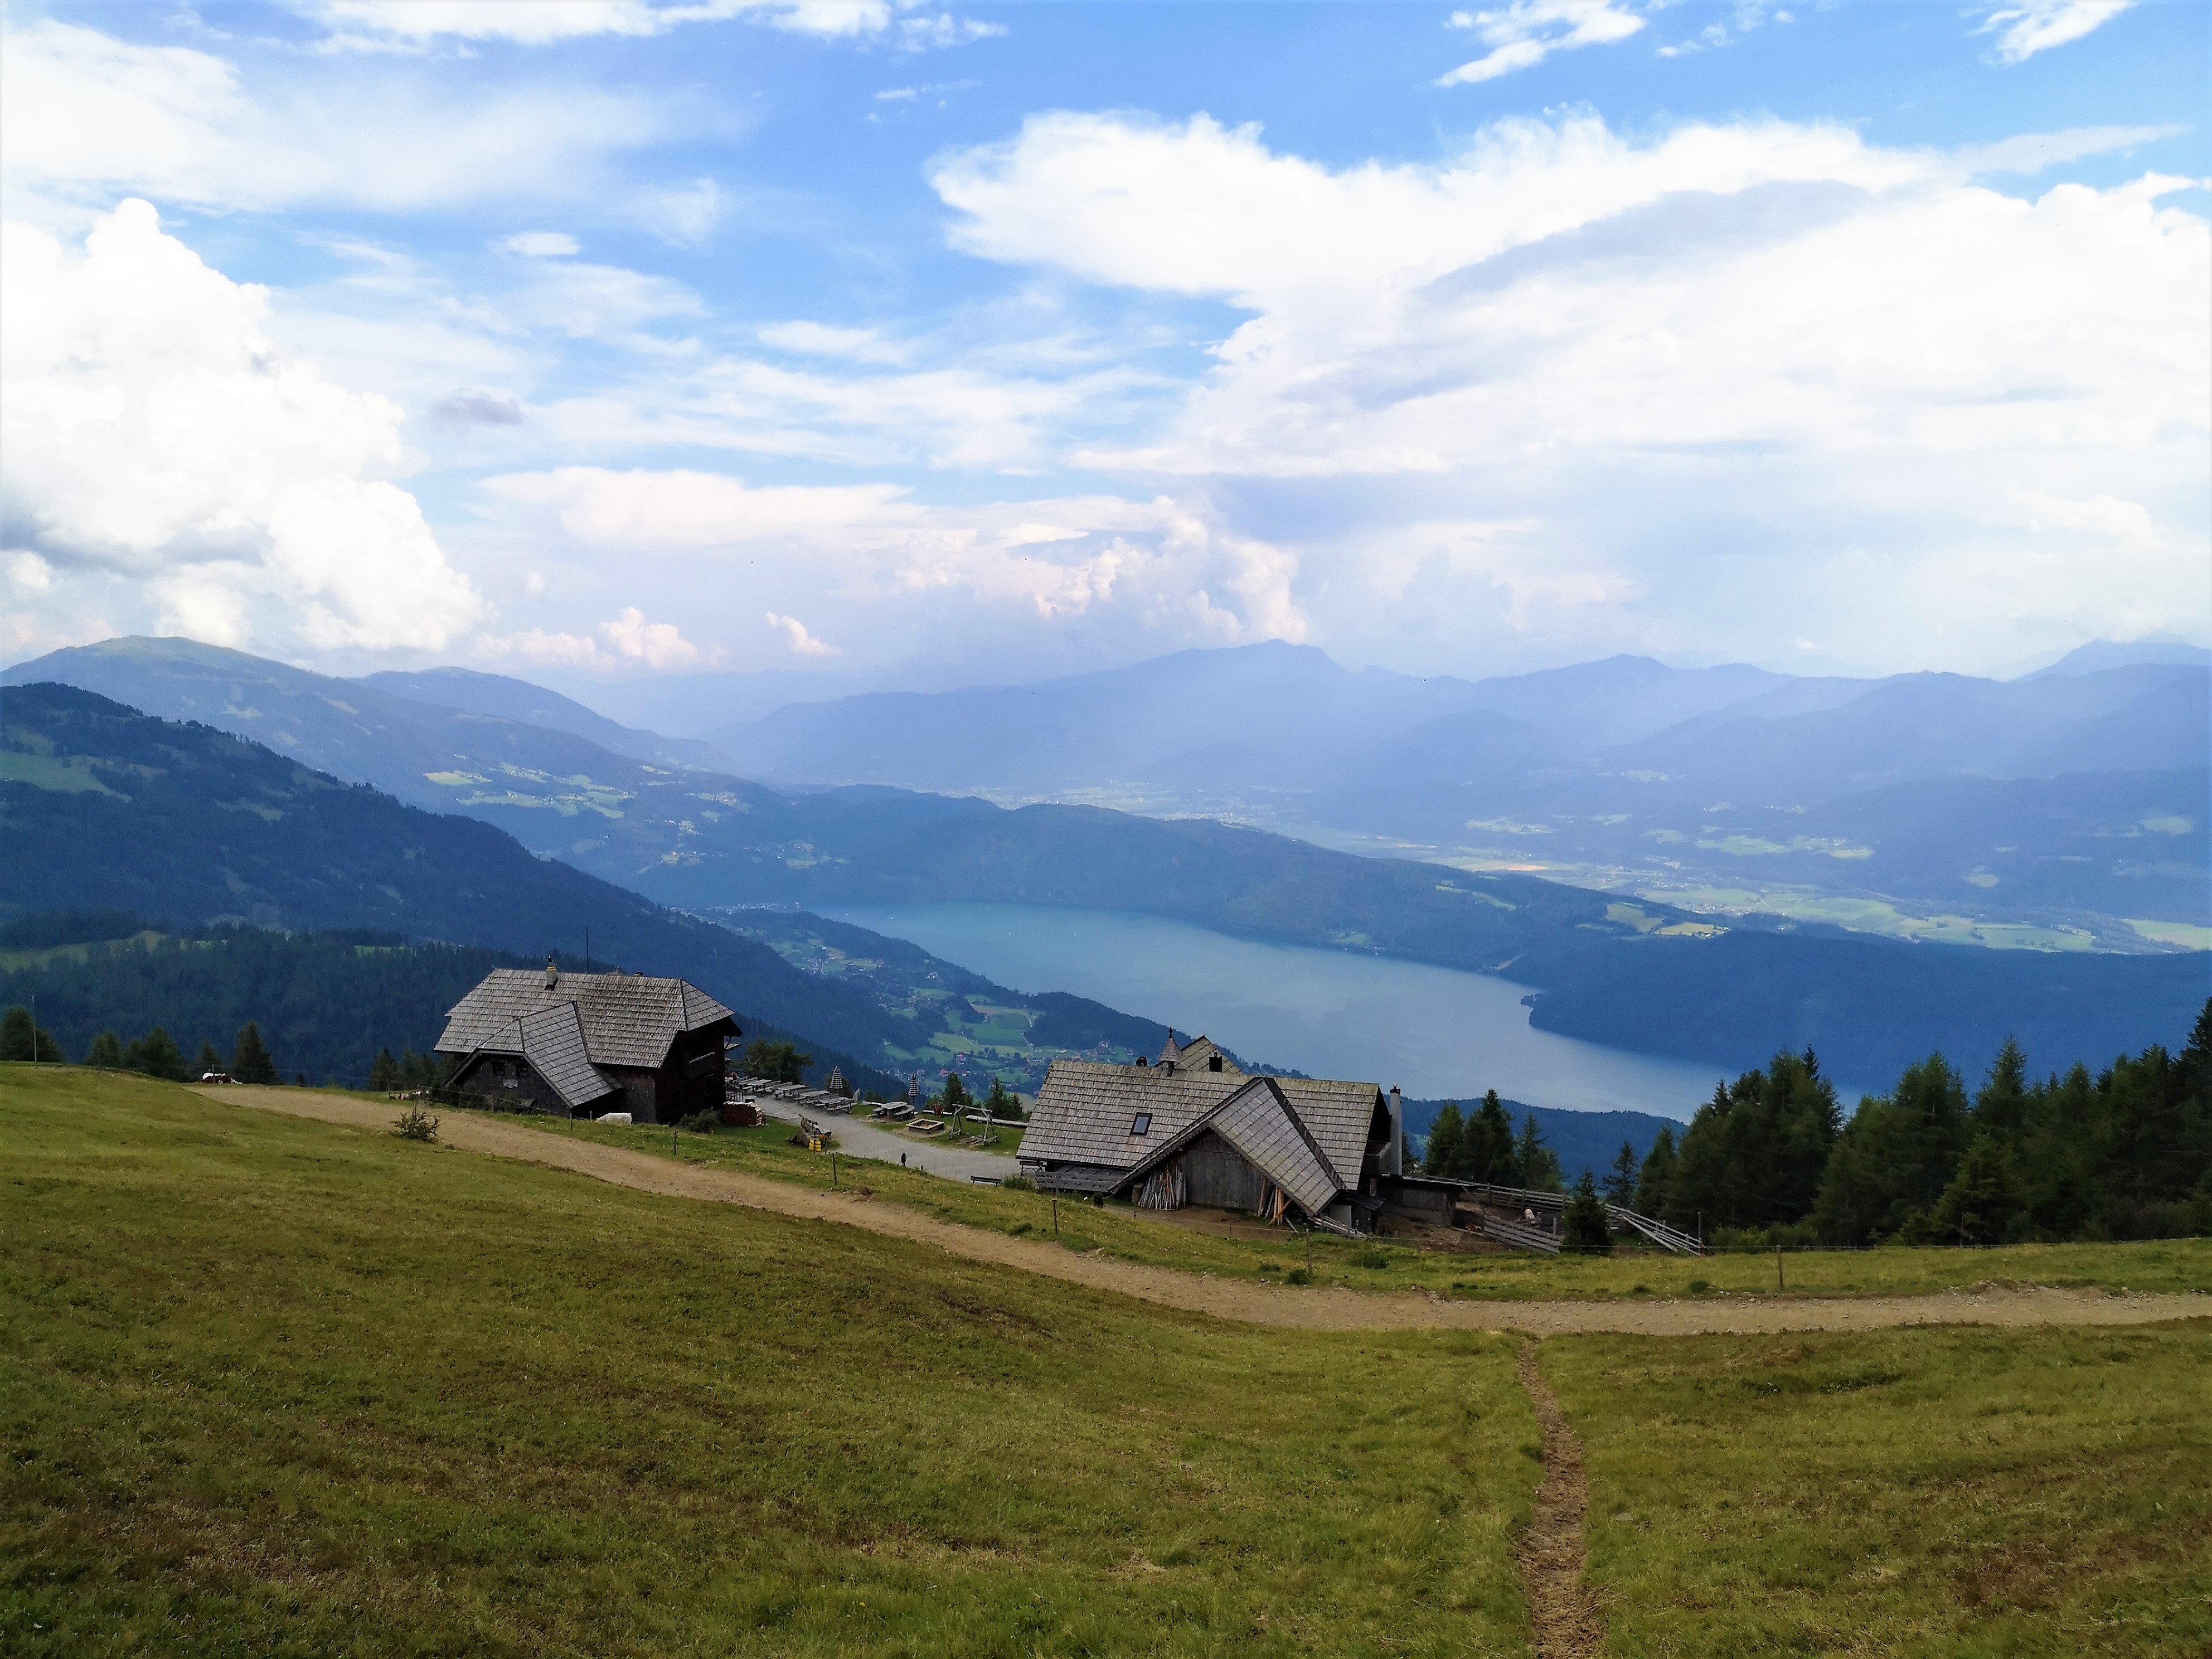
(698, 839)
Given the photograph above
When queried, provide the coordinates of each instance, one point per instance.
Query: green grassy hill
(276, 1387)
(279, 1389)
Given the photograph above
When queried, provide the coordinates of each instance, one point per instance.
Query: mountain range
(1640, 975)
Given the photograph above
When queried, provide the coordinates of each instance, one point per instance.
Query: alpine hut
(577, 1045)
(1194, 1128)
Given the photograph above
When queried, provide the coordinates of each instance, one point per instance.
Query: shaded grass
(277, 1387)
(1955, 1491)
(1126, 1233)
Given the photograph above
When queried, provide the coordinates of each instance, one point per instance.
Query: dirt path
(1564, 1611)
(1317, 1308)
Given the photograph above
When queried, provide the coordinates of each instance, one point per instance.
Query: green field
(271, 1386)
(1899, 1492)
(1133, 1236)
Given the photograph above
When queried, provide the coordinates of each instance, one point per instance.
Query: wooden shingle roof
(552, 1042)
(1259, 1120)
(625, 1019)
(1085, 1110)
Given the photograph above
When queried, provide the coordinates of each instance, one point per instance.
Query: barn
(1194, 1128)
(577, 1045)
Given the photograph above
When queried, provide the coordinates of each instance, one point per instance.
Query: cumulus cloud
(1171, 567)
(2033, 26)
(1522, 35)
(1801, 344)
(628, 641)
(152, 431)
(83, 114)
(802, 643)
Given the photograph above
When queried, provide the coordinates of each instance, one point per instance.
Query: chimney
(552, 974)
(1393, 1155)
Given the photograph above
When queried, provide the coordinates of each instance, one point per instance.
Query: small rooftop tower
(552, 974)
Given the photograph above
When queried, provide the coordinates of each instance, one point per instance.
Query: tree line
(2125, 1152)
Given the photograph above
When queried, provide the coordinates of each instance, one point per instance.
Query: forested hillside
(326, 1003)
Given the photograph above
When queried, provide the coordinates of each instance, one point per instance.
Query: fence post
(1055, 1215)
(1778, 1284)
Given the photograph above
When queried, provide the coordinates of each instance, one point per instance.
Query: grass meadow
(277, 1388)
(1919, 1492)
(1129, 1234)
(271, 1386)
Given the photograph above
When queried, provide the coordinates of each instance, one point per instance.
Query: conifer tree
(19, 1039)
(1655, 1182)
(954, 1094)
(1445, 1149)
(1486, 1148)
(250, 1059)
(156, 1055)
(105, 1052)
(1620, 1180)
(1587, 1232)
(209, 1059)
(1002, 1101)
(1980, 1202)
(1536, 1165)
(383, 1073)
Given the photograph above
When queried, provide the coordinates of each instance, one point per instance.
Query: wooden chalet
(578, 1045)
(1192, 1128)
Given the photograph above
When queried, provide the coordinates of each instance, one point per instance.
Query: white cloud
(152, 430)
(1172, 568)
(860, 345)
(372, 25)
(541, 243)
(802, 643)
(684, 215)
(83, 115)
(1761, 345)
(2033, 26)
(628, 641)
(1522, 34)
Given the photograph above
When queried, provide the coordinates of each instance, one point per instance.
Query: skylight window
(1142, 1124)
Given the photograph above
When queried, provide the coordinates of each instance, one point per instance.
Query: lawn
(276, 1387)
(1954, 1492)
(1127, 1233)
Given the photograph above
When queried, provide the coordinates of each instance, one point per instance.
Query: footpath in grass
(1952, 1491)
(277, 1387)
(1377, 1265)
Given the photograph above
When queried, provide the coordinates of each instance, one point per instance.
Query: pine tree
(1620, 1181)
(250, 1059)
(1002, 1101)
(1983, 1197)
(105, 1052)
(954, 1094)
(156, 1055)
(1587, 1233)
(19, 1039)
(1486, 1148)
(1535, 1166)
(209, 1061)
(383, 1073)
(1655, 1182)
(1446, 1146)
(2001, 1107)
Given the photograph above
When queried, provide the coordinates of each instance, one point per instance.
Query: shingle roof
(626, 1019)
(553, 1043)
(1259, 1120)
(1084, 1112)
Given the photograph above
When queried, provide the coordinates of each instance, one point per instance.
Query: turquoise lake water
(1435, 1032)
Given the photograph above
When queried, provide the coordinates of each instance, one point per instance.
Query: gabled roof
(1085, 1111)
(1259, 1120)
(625, 1019)
(553, 1043)
(1197, 1056)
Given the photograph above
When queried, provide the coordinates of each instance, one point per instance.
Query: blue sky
(888, 345)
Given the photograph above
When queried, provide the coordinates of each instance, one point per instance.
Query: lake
(1435, 1032)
